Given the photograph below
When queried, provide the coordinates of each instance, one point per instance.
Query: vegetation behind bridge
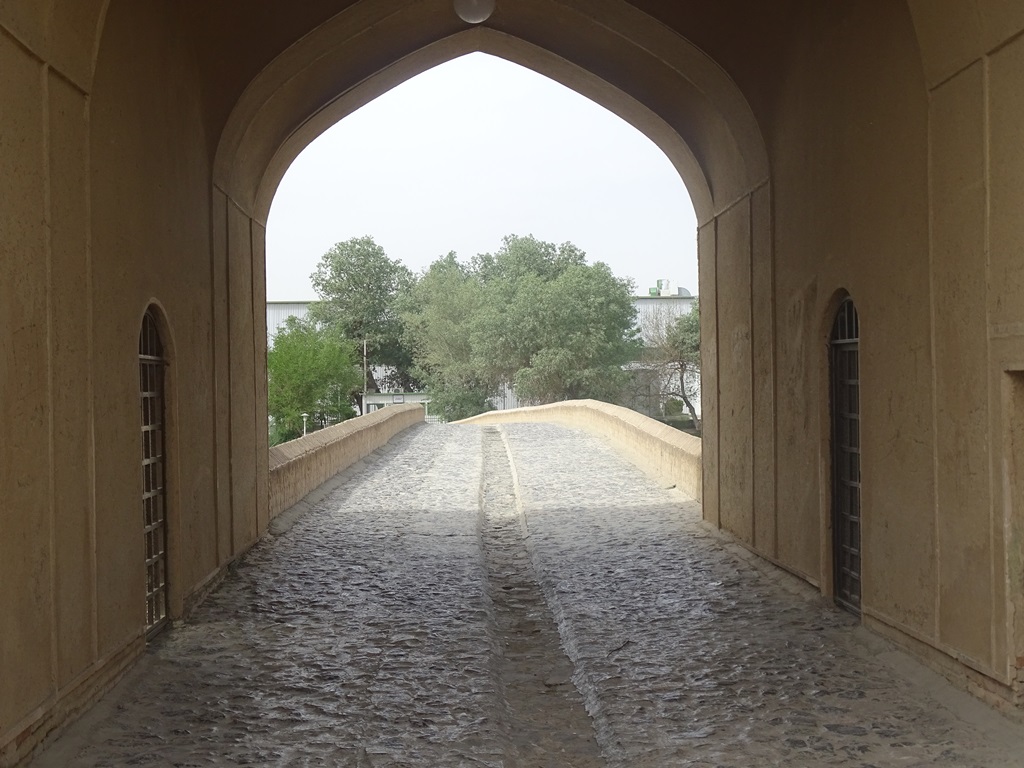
(533, 318)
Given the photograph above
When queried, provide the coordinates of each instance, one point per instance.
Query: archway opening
(615, 54)
(478, 148)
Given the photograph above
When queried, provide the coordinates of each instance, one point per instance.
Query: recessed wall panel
(243, 380)
(70, 318)
(735, 403)
(762, 294)
(957, 175)
(222, 376)
(26, 659)
(1006, 235)
(259, 292)
(706, 257)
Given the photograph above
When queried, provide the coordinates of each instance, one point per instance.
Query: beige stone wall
(303, 465)
(864, 232)
(106, 211)
(51, 654)
(664, 452)
(974, 67)
(894, 138)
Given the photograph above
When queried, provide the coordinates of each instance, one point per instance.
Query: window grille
(154, 488)
(844, 364)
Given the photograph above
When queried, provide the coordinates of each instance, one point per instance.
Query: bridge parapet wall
(300, 466)
(663, 451)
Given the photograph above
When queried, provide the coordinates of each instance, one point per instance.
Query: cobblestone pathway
(546, 711)
(687, 654)
(400, 623)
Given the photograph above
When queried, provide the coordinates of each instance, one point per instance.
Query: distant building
(661, 304)
(279, 311)
(652, 380)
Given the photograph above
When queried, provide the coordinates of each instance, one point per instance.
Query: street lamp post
(304, 417)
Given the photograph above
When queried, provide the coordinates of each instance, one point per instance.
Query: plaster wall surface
(108, 212)
(917, 250)
(852, 108)
(25, 410)
(710, 428)
(220, 427)
(1005, 288)
(735, 397)
(958, 223)
(73, 514)
(762, 350)
(146, 251)
(242, 367)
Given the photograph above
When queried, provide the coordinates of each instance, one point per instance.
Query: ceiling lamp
(474, 11)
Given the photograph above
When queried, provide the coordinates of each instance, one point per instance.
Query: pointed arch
(608, 51)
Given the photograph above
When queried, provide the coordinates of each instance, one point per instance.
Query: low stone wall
(300, 466)
(657, 448)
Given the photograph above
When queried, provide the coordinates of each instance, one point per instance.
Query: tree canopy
(358, 285)
(533, 315)
(439, 313)
(310, 369)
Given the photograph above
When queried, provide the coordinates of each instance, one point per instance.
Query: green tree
(574, 333)
(684, 352)
(672, 357)
(532, 315)
(439, 312)
(358, 285)
(310, 369)
(553, 326)
(521, 257)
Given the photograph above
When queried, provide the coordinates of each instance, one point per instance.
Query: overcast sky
(473, 150)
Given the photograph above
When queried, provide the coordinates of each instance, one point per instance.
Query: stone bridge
(520, 594)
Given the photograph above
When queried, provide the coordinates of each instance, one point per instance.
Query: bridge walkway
(521, 596)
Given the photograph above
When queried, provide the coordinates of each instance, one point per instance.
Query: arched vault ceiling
(64, 33)
(511, 49)
(606, 49)
(953, 33)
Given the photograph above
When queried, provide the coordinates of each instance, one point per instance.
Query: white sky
(472, 150)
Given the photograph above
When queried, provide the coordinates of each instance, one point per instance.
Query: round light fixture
(474, 11)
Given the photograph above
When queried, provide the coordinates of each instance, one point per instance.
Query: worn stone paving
(361, 637)
(688, 654)
(546, 714)
(400, 623)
